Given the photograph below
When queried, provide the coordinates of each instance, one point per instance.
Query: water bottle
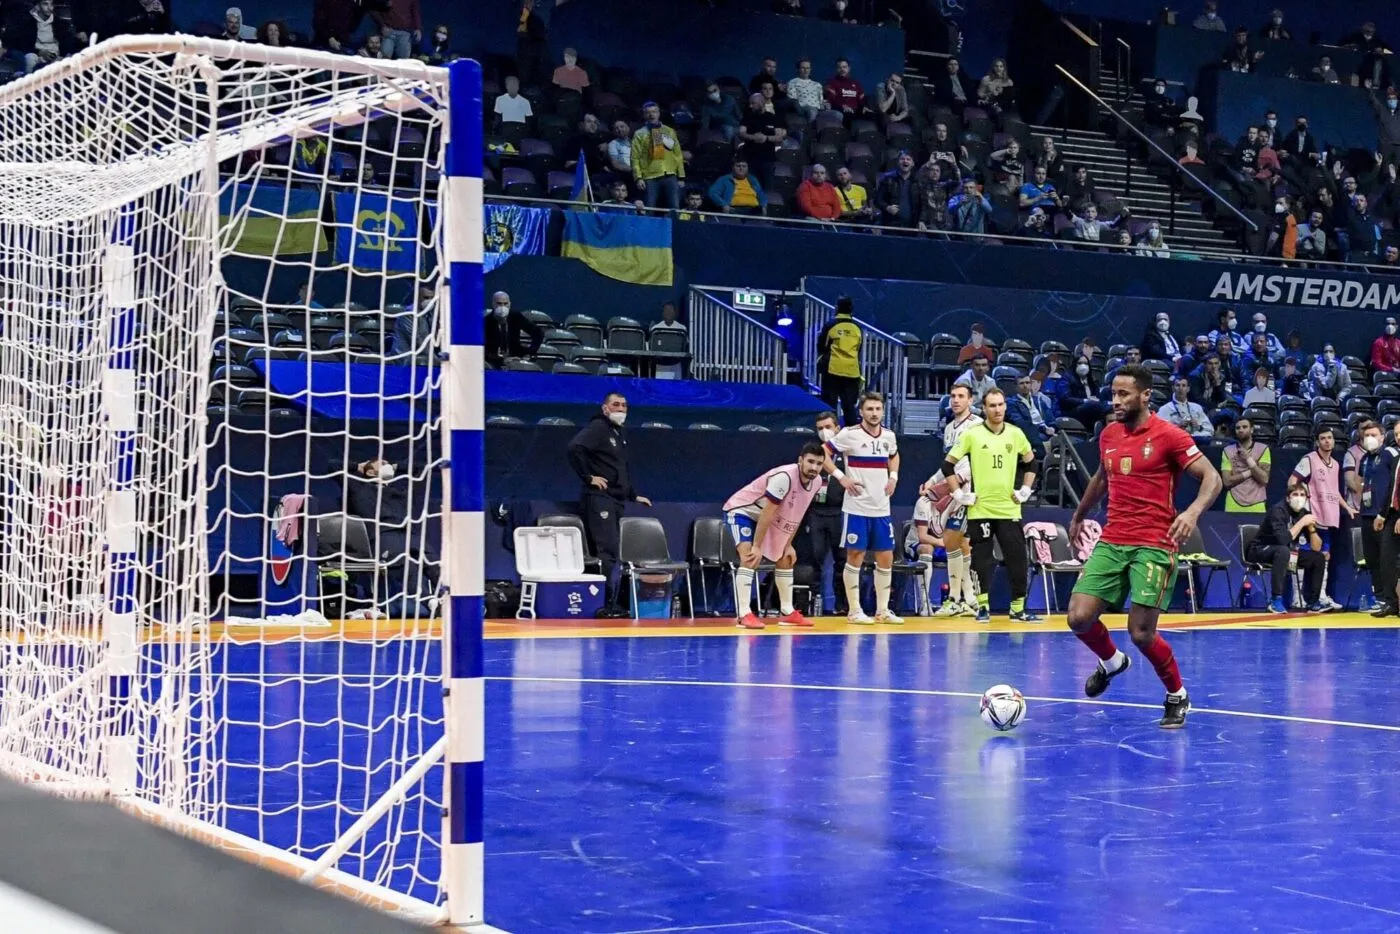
(816, 604)
(1246, 591)
(676, 606)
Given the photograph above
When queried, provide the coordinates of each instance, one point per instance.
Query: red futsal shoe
(795, 618)
(749, 621)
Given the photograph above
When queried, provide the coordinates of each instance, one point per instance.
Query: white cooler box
(553, 584)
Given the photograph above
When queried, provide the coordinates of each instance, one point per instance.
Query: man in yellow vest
(838, 362)
(657, 161)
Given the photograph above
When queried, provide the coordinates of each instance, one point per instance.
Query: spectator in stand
(738, 192)
(1051, 159)
(306, 296)
(970, 211)
(1183, 413)
(1274, 28)
(838, 11)
(1388, 121)
(669, 324)
(1122, 238)
(1390, 260)
(530, 43)
(844, 93)
(41, 37)
(512, 107)
(401, 26)
(1226, 325)
(438, 49)
(235, 30)
(1132, 356)
(1190, 157)
(953, 89)
(805, 92)
(1373, 71)
(1036, 226)
(1208, 385)
(997, 92)
(1363, 232)
(505, 332)
(789, 8)
(1324, 72)
(1079, 190)
(759, 137)
(1229, 365)
(1158, 343)
(273, 33)
(1262, 392)
(855, 203)
(976, 346)
(1088, 226)
(768, 73)
(1007, 166)
(373, 47)
(619, 199)
(334, 22)
(1298, 147)
(838, 361)
(692, 203)
(1081, 400)
(1158, 108)
(893, 100)
(897, 194)
(1025, 412)
(720, 112)
(1259, 324)
(620, 151)
(1088, 347)
(568, 76)
(977, 378)
(1259, 355)
(1245, 467)
(1312, 238)
(1292, 380)
(1152, 244)
(592, 141)
(817, 197)
(1329, 377)
(944, 151)
(657, 160)
(933, 208)
(931, 175)
(1209, 20)
(770, 98)
(1239, 56)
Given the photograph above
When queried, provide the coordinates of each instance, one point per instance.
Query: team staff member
(1377, 471)
(838, 361)
(994, 451)
(598, 454)
(820, 534)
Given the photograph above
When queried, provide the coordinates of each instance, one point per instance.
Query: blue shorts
(1326, 536)
(868, 533)
(741, 527)
(955, 519)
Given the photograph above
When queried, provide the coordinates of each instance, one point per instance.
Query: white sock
(926, 573)
(782, 577)
(851, 578)
(882, 589)
(743, 590)
(955, 575)
(969, 582)
(1113, 664)
(1178, 694)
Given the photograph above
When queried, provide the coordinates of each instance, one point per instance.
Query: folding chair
(1193, 557)
(642, 548)
(1062, 561)
(1264, 572)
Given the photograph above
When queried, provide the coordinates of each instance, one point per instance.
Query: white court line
(1338, 901)
(918, 692)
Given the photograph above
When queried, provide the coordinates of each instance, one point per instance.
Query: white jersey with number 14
(868, 463)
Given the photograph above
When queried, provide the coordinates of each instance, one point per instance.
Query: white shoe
(1330, 606)
(888, 617)
(926, 611)
(949, 608)
(858, 618)
(968, 609)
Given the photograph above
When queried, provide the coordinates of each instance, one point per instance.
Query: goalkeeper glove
(1021, 495)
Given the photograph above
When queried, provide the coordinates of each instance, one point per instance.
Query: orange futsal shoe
(749, 621)
(795, 618)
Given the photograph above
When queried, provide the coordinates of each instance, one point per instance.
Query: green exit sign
(749, 301)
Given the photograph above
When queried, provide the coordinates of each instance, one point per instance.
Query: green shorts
(1114, 573)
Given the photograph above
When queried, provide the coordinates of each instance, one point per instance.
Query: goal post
(241, 319)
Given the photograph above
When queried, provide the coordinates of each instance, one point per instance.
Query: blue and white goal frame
(463, 423)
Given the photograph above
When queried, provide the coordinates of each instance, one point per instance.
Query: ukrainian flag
(271, 220)
(620, 245)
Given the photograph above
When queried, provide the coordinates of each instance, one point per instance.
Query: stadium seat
(1062, 561)
(626, 334)
(612, 368)
(704, 426)
(352, 343)
(556, 422)
(642, 548)
(1194, 557)
(500, 421)
(548, 355)
(519, 365)
(590, 358)
(520, 183)
(540, 318)
(711, 549)
(236, 375)
(799, 430)
(669, 340)
(752, 427)
(655, 425)
(564, 368)
(562, 338)
(588, 331)
(289, 337)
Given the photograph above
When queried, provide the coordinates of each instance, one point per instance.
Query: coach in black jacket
(598, 454)
(505, 331)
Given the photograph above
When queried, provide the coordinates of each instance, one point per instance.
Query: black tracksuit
(1377, 486)
(600, 450)
(400, 539)
(1274, 546)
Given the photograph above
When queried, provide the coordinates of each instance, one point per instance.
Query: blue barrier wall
(1338, 114)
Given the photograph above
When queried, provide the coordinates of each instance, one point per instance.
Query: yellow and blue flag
(623, 246)
(373, 232)
(510, 230)
(271, 220)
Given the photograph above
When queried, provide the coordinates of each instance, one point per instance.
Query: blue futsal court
(828, 782)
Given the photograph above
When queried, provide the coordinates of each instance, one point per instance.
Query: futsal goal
(240, 328)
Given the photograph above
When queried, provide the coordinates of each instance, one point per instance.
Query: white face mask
(976, 339)
(386, 471)
(1164, 326)
(1371, 443)
(440, 37)
(1280, 208)
(1082, 369)
(1298, 503)
(1161, 89)
(1261, 327)
(1390, 330)
(501, 310)
(617, 418)
(1271, 123)
(826, 434)
(714, 96)
(1230, 324)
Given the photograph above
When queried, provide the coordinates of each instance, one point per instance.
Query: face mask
(1298, 503)
(1329, 356)
(440, 37)
(1370, 443)
(1164, 326)
(1261, 327)
(1160, 89)
(1391, 102)
(502, 310)
(714, 96)
(1082, 369)
(1271, 123)
(826, 434)
(976, 339)
(1230, 323)
(386, 471)
(617, 418)
(1390, 330)
(1210, 14)
(1280, 208)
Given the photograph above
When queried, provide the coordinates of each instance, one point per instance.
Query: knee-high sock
(850, 576)
(743, 590)
(926, 576)
(782, 578)
(1096, 637)
(1162, 659)
(956, 568)
(882, 589)
(971, 587)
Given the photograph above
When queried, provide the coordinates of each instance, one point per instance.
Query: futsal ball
(1003, 707)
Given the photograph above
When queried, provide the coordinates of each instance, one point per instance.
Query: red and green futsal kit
(1136, 557)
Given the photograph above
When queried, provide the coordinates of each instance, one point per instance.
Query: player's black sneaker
(1174, 715)
(1383, 609)
(1098, 681)
(1026, 616)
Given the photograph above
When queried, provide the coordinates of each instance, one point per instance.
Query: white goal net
(224, 359)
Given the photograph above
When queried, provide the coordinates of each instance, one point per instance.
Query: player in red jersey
(1140, 458)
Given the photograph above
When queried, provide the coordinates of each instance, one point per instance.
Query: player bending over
(926, 535)
(995, 451)
(1140, 458)
(962, 590)
(872, 464)
(763, 516)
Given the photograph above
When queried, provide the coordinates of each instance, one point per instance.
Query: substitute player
(995, 450)
(927, 534)
(872, 470)
(962, 592)
(763, 516)
(1140, 458)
